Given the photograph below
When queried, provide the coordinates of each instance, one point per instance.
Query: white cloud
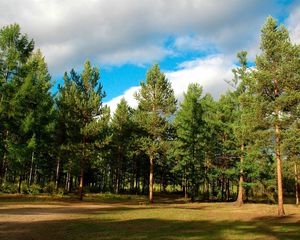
(128, 96)
(210, 73)
(133, 31)
(293, 24)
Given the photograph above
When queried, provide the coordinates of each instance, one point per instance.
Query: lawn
(129, 217)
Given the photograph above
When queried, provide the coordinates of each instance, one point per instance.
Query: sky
(191, 40)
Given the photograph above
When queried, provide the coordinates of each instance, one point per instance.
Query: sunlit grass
(109, 216)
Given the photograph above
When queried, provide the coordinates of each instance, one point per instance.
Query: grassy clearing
(129, 217)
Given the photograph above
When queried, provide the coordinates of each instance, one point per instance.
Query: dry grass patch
(126, 218)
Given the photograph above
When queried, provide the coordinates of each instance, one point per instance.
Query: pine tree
(277, 88)
(80, 106)
(157, 103)
(225, 150)
(34, 105)
(15, 49)
(190, 128)
(121, 125)
(243, 123)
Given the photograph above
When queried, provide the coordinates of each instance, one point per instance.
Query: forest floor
(129, 217)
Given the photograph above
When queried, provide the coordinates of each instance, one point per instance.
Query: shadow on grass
(149, 229)
(90, 210)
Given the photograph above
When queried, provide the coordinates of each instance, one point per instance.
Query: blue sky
(192, 40)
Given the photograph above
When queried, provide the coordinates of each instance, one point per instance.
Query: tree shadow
(149, 228)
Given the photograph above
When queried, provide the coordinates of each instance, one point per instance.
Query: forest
(243, 146)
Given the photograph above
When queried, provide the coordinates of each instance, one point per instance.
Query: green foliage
(8, 187)
(49, 188)
(156, 104)
(191, 133)
(203, 148)
(32, 189)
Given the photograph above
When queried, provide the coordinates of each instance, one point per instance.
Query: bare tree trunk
(81, 184)
(151, 181)
(278, 154)
(137, 182)
(279, 173)
(185, 187)
(3, 172)
(67, 182)
(4, 164)
(296, 184)
(240, 198)
(19, 186)
(222, 187)
(132, 183)
(117, 181)
(228, 189)
(57, 173)
(31, 168)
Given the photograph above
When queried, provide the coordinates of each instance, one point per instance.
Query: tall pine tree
(277, 88)
(80, 106)
(157, 103)
(190, 128)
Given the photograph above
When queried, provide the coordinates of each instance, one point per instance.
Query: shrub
(34, 189)
(49, 188)
(8, 187)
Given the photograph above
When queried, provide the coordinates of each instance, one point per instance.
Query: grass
(129, 217)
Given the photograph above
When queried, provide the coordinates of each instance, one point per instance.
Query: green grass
(129, 217)
(175, 222)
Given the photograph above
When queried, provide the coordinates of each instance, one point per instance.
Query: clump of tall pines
(243, 147)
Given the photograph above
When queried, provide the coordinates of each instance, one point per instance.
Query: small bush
(24, 188)
(30, 189)
(9, 188)
(34, 189)
(60, 191)
(49, 188)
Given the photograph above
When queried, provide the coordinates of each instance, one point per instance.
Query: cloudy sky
(192, 40)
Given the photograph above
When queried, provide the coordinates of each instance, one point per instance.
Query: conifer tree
(156, 103)
(34, 104)
(15, 49)
(80, 106)
(243, 113)
(190, 128)
(121, 125)
(277, 87)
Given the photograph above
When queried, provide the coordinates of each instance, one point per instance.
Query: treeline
(243, 146)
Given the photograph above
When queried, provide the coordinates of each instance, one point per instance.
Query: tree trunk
(137, 182)
(222, 187)
(240, 198)
(31, 168)
(151, 181)
(207, 186)
(278, 154)
(3, 172)
(81, 184)
(185, 187)
(67, 182)
(296, 184)
(117, 182)
(20, 183)
(4, 164)
(57, 173)
(228, 189)
(279, 173)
